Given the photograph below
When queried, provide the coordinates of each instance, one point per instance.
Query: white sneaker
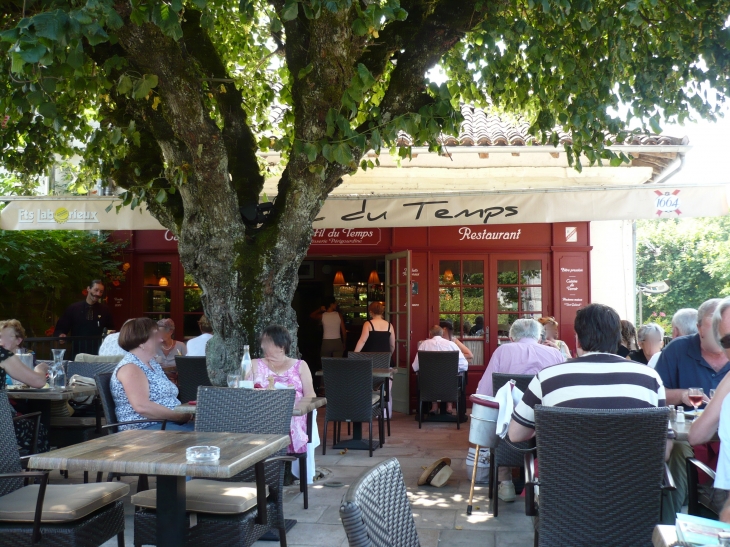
(506, 491)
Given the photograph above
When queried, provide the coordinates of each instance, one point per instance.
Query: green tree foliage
(693, 255)
(42, 272)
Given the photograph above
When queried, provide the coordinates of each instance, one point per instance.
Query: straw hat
(436, 474)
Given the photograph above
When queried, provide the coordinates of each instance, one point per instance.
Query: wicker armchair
(191, 373)
(236, 411)
(376, 512)
(434, 370)
(601, 475)
(348, 385)
(381, 359)
(103, 385)
(25, 511)
(504, 454)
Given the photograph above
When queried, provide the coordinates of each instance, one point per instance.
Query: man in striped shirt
(596, 379)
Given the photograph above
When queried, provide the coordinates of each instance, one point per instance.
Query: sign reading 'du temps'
(346, 236)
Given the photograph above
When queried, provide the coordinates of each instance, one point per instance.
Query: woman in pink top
(276, 342)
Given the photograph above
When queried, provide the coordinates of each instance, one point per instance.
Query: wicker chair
(601, 475)
(91, 529)
(191, 373)
(381, 359)
(504, 455)
(236, 411)
(348, 385)
(103, 385)
(434, 369)
(375, 510)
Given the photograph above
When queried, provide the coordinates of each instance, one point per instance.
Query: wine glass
(233, 380)
(695, 396)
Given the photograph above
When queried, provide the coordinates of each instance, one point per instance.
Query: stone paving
(439, 513)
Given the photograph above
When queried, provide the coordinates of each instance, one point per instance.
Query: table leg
(172, 524)
(262, 517)
(357, 442)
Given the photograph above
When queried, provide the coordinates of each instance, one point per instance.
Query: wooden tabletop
(681, 431)
(51, 395)
(138, 451)
(377, 373)
(303, 407)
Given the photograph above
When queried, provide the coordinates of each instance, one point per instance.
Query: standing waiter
(88, 318)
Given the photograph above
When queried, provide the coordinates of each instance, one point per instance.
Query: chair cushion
(62, 503)
(208, 496)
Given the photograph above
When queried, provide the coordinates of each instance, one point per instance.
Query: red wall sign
(572, 292)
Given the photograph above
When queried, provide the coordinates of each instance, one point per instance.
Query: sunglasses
(725, 341)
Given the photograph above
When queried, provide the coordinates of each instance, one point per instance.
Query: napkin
(77, 380)
(508, 396)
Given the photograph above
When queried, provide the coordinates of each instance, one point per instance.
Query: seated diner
(139, 386)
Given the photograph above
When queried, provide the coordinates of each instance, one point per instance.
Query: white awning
(390, 209)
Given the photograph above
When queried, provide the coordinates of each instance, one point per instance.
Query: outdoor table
(39, 400)
(681, 431)
(357, 442)
(162, 453)
(664, 535)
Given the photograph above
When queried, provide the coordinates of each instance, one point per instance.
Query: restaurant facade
(481, 278)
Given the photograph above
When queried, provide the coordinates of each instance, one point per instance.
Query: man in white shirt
(196, 346)
(436, 342)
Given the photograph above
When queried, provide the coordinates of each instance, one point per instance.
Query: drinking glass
(233, 380)
(712, 393)
(696, 396)
(52, 373)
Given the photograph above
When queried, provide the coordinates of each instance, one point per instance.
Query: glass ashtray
(203, 454)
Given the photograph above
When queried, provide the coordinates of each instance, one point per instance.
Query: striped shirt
(599, 380)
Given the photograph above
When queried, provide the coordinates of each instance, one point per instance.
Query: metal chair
(381, 359)
(375, 510)
(236, 411)
(434, 370)
(92, 529)
(504, 455)
(191, 373)
(601, 475)
(348, 385)
(103, 385)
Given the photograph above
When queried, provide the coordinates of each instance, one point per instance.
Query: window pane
(449, 299)
(192, 302)
(507, 298)
(506, 272)
(473, 272)
(474, 325)
(449, 272)
(531, 299)
(504, 322)
(531, 272)
(156, 300)
(190, 325)
(157, 273)
(473, 299)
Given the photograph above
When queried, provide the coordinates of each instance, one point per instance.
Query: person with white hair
(525, 355)
(684, 323)
(651, 341)
(697, 360)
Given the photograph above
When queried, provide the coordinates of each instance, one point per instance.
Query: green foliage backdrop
(42, 272)
(693, 255)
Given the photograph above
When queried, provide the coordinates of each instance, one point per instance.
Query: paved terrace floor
(440, 513)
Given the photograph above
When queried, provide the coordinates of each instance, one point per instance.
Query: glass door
(461, 286)
(519, 291)
(398, 310)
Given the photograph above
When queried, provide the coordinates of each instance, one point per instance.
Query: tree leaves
(143, 86)
(50, 25)
(290, 11)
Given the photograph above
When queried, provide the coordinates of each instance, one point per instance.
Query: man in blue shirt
(689, 361)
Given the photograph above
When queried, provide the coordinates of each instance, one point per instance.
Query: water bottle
(246, 376)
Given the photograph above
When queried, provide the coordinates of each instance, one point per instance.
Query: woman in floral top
(139, 386)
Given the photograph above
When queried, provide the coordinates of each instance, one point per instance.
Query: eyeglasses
(725, 341)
